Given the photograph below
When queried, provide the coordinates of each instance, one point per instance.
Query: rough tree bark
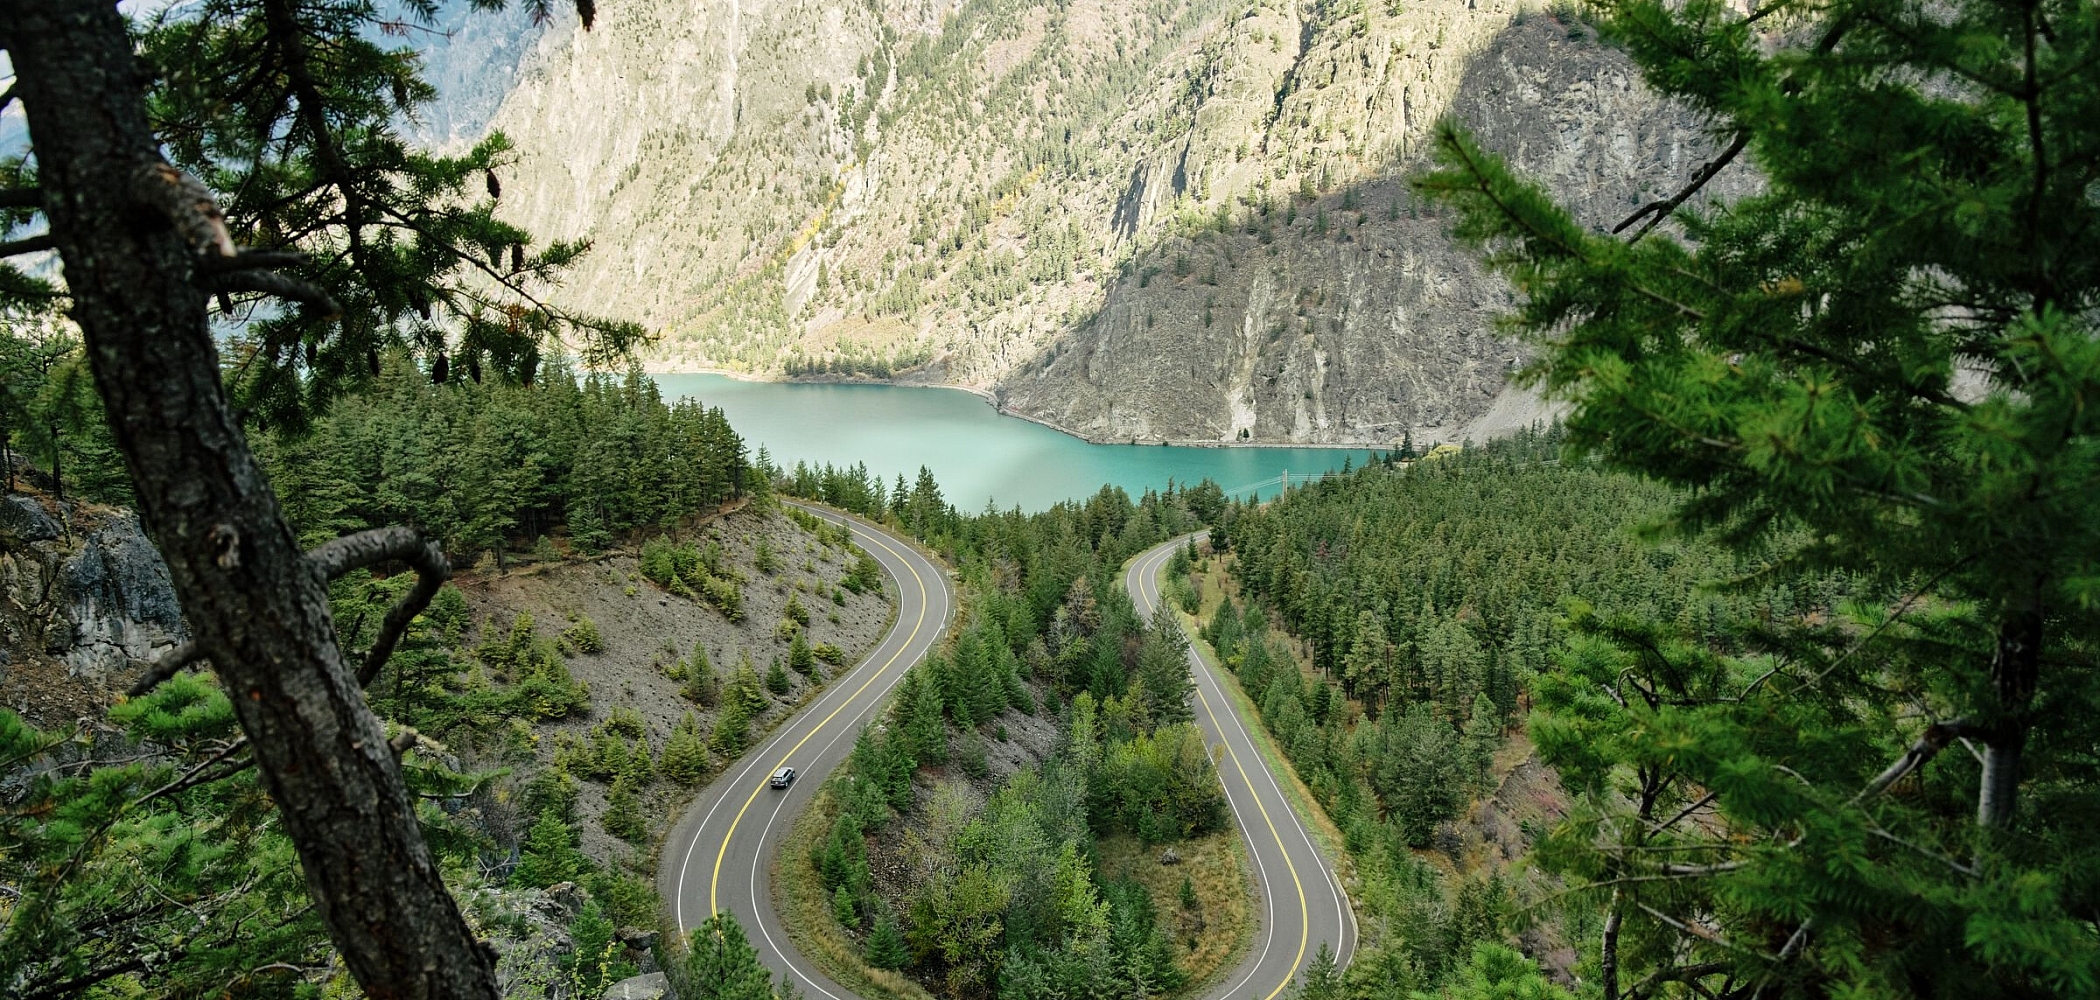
(258, 607)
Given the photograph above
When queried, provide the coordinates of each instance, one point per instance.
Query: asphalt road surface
(1302, 903)
(719, 854)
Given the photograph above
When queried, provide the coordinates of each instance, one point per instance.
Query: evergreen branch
(73, 987)
(284, 25)
(170, 663)
(33, 244)
(1901, 609)
(1706, 172)
(192, 777)
(394, 544)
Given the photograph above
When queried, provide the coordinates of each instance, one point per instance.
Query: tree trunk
(255, 603)
(2015, 669)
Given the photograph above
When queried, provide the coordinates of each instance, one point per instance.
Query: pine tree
(886, 944)
(801, 658)
(702, 684)
(845, 909)
(1163, 669)
(623, 816)
(1876, 365)
(685, 753)
(720, 963)
(776, 678)
(549, 854)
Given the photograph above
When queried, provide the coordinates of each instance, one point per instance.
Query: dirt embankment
(645, 631)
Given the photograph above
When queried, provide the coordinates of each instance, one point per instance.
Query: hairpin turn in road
(1303, 904)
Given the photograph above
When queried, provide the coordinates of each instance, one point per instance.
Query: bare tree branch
(188, 205)
(282, 285)
(1927, 746)
(251, 259)
(21, 197)
(33, 244)
(170, 663)
(1662, 209)
(379, 545)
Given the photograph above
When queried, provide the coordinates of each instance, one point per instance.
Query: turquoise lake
(974, 452)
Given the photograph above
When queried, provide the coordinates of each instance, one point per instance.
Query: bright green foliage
(582, 636)
(720, 964)
(599, 958)
(886, 944)
(1879, 363)
(549, 855)
(695, 573)
(845, 908)
(92, 854)
(1497, 972)
(743, 686)
(801, 657)
(763, 556)
(1160, 786)
(732, 728)
(684, 758)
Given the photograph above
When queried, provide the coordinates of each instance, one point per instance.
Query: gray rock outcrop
(91, 591)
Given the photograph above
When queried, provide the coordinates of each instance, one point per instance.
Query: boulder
(1169, 857)
(648, 987)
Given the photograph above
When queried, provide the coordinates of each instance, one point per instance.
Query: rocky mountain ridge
(1129, 219)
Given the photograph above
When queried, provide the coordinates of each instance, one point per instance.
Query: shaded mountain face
(1163, 220)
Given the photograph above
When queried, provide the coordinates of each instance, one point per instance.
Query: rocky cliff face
(1169, 219)
(84, 602)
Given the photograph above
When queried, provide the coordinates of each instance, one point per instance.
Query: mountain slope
(1174, 219)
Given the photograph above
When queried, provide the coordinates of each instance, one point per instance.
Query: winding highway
(1303, 904)
(719, 854)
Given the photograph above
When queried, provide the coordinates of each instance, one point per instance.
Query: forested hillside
(963, 845)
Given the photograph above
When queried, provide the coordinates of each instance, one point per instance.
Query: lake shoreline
(993, 401)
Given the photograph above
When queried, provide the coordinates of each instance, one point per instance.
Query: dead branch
(276, 283)
(33, 244)
(187, 204)
(1662, 209)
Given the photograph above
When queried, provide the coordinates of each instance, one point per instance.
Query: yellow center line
(1304, 914)
(714, 882)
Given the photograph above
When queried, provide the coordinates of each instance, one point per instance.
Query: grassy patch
(1212, 936)
(805, 909)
